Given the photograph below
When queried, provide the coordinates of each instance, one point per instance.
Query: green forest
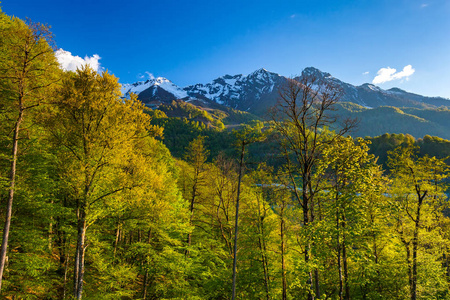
(104, 198)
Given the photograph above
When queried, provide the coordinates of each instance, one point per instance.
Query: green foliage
(418, 192)
(381, 145)
(416, 122)
(157, 227)
(428, 145)
(28, 69)
(181, 109)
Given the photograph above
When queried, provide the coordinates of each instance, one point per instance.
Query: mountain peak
(257, 91)
(153, 83)
(259, 72)
(311, 71)
(396, 90)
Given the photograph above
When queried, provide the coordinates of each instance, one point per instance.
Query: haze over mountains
(379, 110)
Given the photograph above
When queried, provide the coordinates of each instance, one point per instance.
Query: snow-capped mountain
(157, 89)
(247, 93)
(258, 91)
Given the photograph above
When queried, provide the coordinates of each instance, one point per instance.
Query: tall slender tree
(95, 130)
(246, 136)
(419, 185)
(28, 68)
(301, 118)
(196, 155)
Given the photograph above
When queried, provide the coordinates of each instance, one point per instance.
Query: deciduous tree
(301, 119)
(95, 130)
(27, 69)
(419, 189)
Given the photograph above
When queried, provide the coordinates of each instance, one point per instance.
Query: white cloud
(293, 16)
(389, 74)
(70, 62)
(424, 5)
(145, 76)
(366, 73)
(150, 75)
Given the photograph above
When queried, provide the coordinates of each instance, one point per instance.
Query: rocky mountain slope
(379, 111)
(258, 91)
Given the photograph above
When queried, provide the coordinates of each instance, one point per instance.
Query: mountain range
(380, 111)
(259, 90)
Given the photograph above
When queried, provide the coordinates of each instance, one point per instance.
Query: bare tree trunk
(79, 258)
(12, 182)
(303, 108)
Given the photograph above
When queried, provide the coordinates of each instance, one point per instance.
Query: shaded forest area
(103, 198)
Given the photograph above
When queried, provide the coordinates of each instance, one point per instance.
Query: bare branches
(305, 126)
(41, 32)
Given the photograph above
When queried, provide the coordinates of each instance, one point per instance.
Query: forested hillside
(104, 198)
(407, 120)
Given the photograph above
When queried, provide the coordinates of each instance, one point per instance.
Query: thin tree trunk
(375, 254)
(50, 231)
(80, 253)
(341, 279)
(12, 182)
(116, 241)
(263, 249)
(60, 245)
(415, 243)
(309, 282)
(191, 218)
(410, 276)
(149, 236)
(144, 285)
(446, 264)
(66, 269)
(283, 263)
(236, 228)
(414, 267)
(345, 263)
(316, 282)
(312, 217)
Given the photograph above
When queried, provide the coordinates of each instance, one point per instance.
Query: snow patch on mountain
(230, 90)
(161, 82)
(257, 91)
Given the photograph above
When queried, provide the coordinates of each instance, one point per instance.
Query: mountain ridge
(258, 91)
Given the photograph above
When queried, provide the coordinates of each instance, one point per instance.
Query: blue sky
(196, 41)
